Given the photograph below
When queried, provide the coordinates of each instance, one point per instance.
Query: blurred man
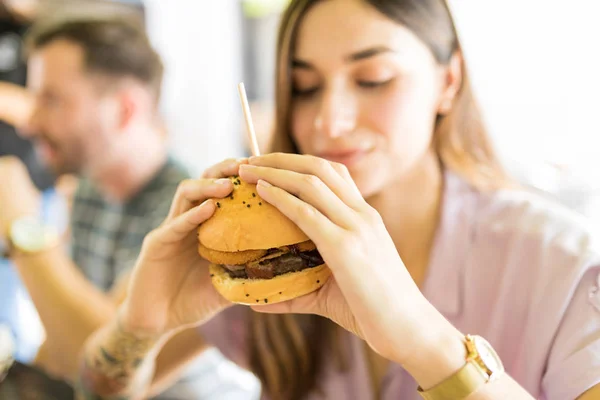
(96, 86)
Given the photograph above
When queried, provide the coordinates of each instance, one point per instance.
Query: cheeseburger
(257, 254)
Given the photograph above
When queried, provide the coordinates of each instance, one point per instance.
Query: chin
(257, 254)
(370, 182)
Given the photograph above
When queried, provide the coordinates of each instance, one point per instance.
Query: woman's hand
(371, 293)
(170, 287)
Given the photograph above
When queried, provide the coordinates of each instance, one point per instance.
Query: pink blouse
(520, 271)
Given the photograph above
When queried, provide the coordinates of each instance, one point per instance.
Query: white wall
(199, 41)
(531, 70)
(536, 71)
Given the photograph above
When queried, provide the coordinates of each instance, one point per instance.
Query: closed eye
(305, 92)
(373, 84)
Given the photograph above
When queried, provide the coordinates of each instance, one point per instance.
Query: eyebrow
(368, 53)
(359, 55)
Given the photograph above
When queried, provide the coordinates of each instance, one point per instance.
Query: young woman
(395, 181)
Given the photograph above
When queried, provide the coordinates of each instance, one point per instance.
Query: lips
(46, 150)
(346, 157)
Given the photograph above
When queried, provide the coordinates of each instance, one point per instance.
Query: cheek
(404, 117)
(53, 124)
(74, 126)
(63, 117)
(56, 118)
(302, 125)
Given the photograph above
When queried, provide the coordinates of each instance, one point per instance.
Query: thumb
(181, 226)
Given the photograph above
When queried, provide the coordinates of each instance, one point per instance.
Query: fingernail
(238, 161)
(263, 183)
(206, 203)
(223, 181)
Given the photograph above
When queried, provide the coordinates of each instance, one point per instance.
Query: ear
(128, 100)
(452, 75)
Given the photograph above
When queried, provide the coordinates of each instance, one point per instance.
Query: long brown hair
(286, 350)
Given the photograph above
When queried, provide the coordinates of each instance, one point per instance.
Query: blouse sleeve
(574, 361)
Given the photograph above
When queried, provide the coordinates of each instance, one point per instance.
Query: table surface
(24, 382)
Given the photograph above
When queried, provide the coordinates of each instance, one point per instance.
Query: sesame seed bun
(242, 230)
(244, 221)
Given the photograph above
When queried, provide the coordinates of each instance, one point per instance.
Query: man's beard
(61, 161)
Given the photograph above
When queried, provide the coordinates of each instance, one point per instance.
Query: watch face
(488, 355)
(30, 235)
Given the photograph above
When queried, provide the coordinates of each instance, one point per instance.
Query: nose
(337, 113)
(31, 124)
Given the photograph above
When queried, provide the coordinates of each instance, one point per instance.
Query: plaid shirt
(107, 237)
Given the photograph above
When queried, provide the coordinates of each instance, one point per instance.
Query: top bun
(243, 221)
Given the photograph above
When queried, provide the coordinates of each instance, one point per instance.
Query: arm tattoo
(117, 365)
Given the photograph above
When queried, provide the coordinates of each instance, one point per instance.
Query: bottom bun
(268, 291)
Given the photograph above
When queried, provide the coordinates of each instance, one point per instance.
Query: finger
(343, 171)
(182, 225)
(224, 169)
(327, 302)
(310, 220)
(191, 192)
(334, 175)
(308, 188)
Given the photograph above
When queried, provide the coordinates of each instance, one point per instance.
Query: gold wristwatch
(29, 235)
(483, 365)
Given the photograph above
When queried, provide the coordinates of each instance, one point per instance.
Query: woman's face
(366, 92)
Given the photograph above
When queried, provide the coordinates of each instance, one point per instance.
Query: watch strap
(459, 386)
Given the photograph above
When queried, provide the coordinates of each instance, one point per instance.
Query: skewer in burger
(257, 254)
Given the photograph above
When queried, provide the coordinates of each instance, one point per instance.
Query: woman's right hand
(170, 287)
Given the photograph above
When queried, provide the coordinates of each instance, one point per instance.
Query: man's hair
(113, 46)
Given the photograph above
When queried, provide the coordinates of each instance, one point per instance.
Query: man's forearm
(117, 364)
(69, 306)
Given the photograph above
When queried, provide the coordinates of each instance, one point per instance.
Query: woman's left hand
(371, 293)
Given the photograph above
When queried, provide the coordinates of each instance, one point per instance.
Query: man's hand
(18, 195)
(24, 9)
(16, 104)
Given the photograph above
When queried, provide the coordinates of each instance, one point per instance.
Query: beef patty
(276, 262)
